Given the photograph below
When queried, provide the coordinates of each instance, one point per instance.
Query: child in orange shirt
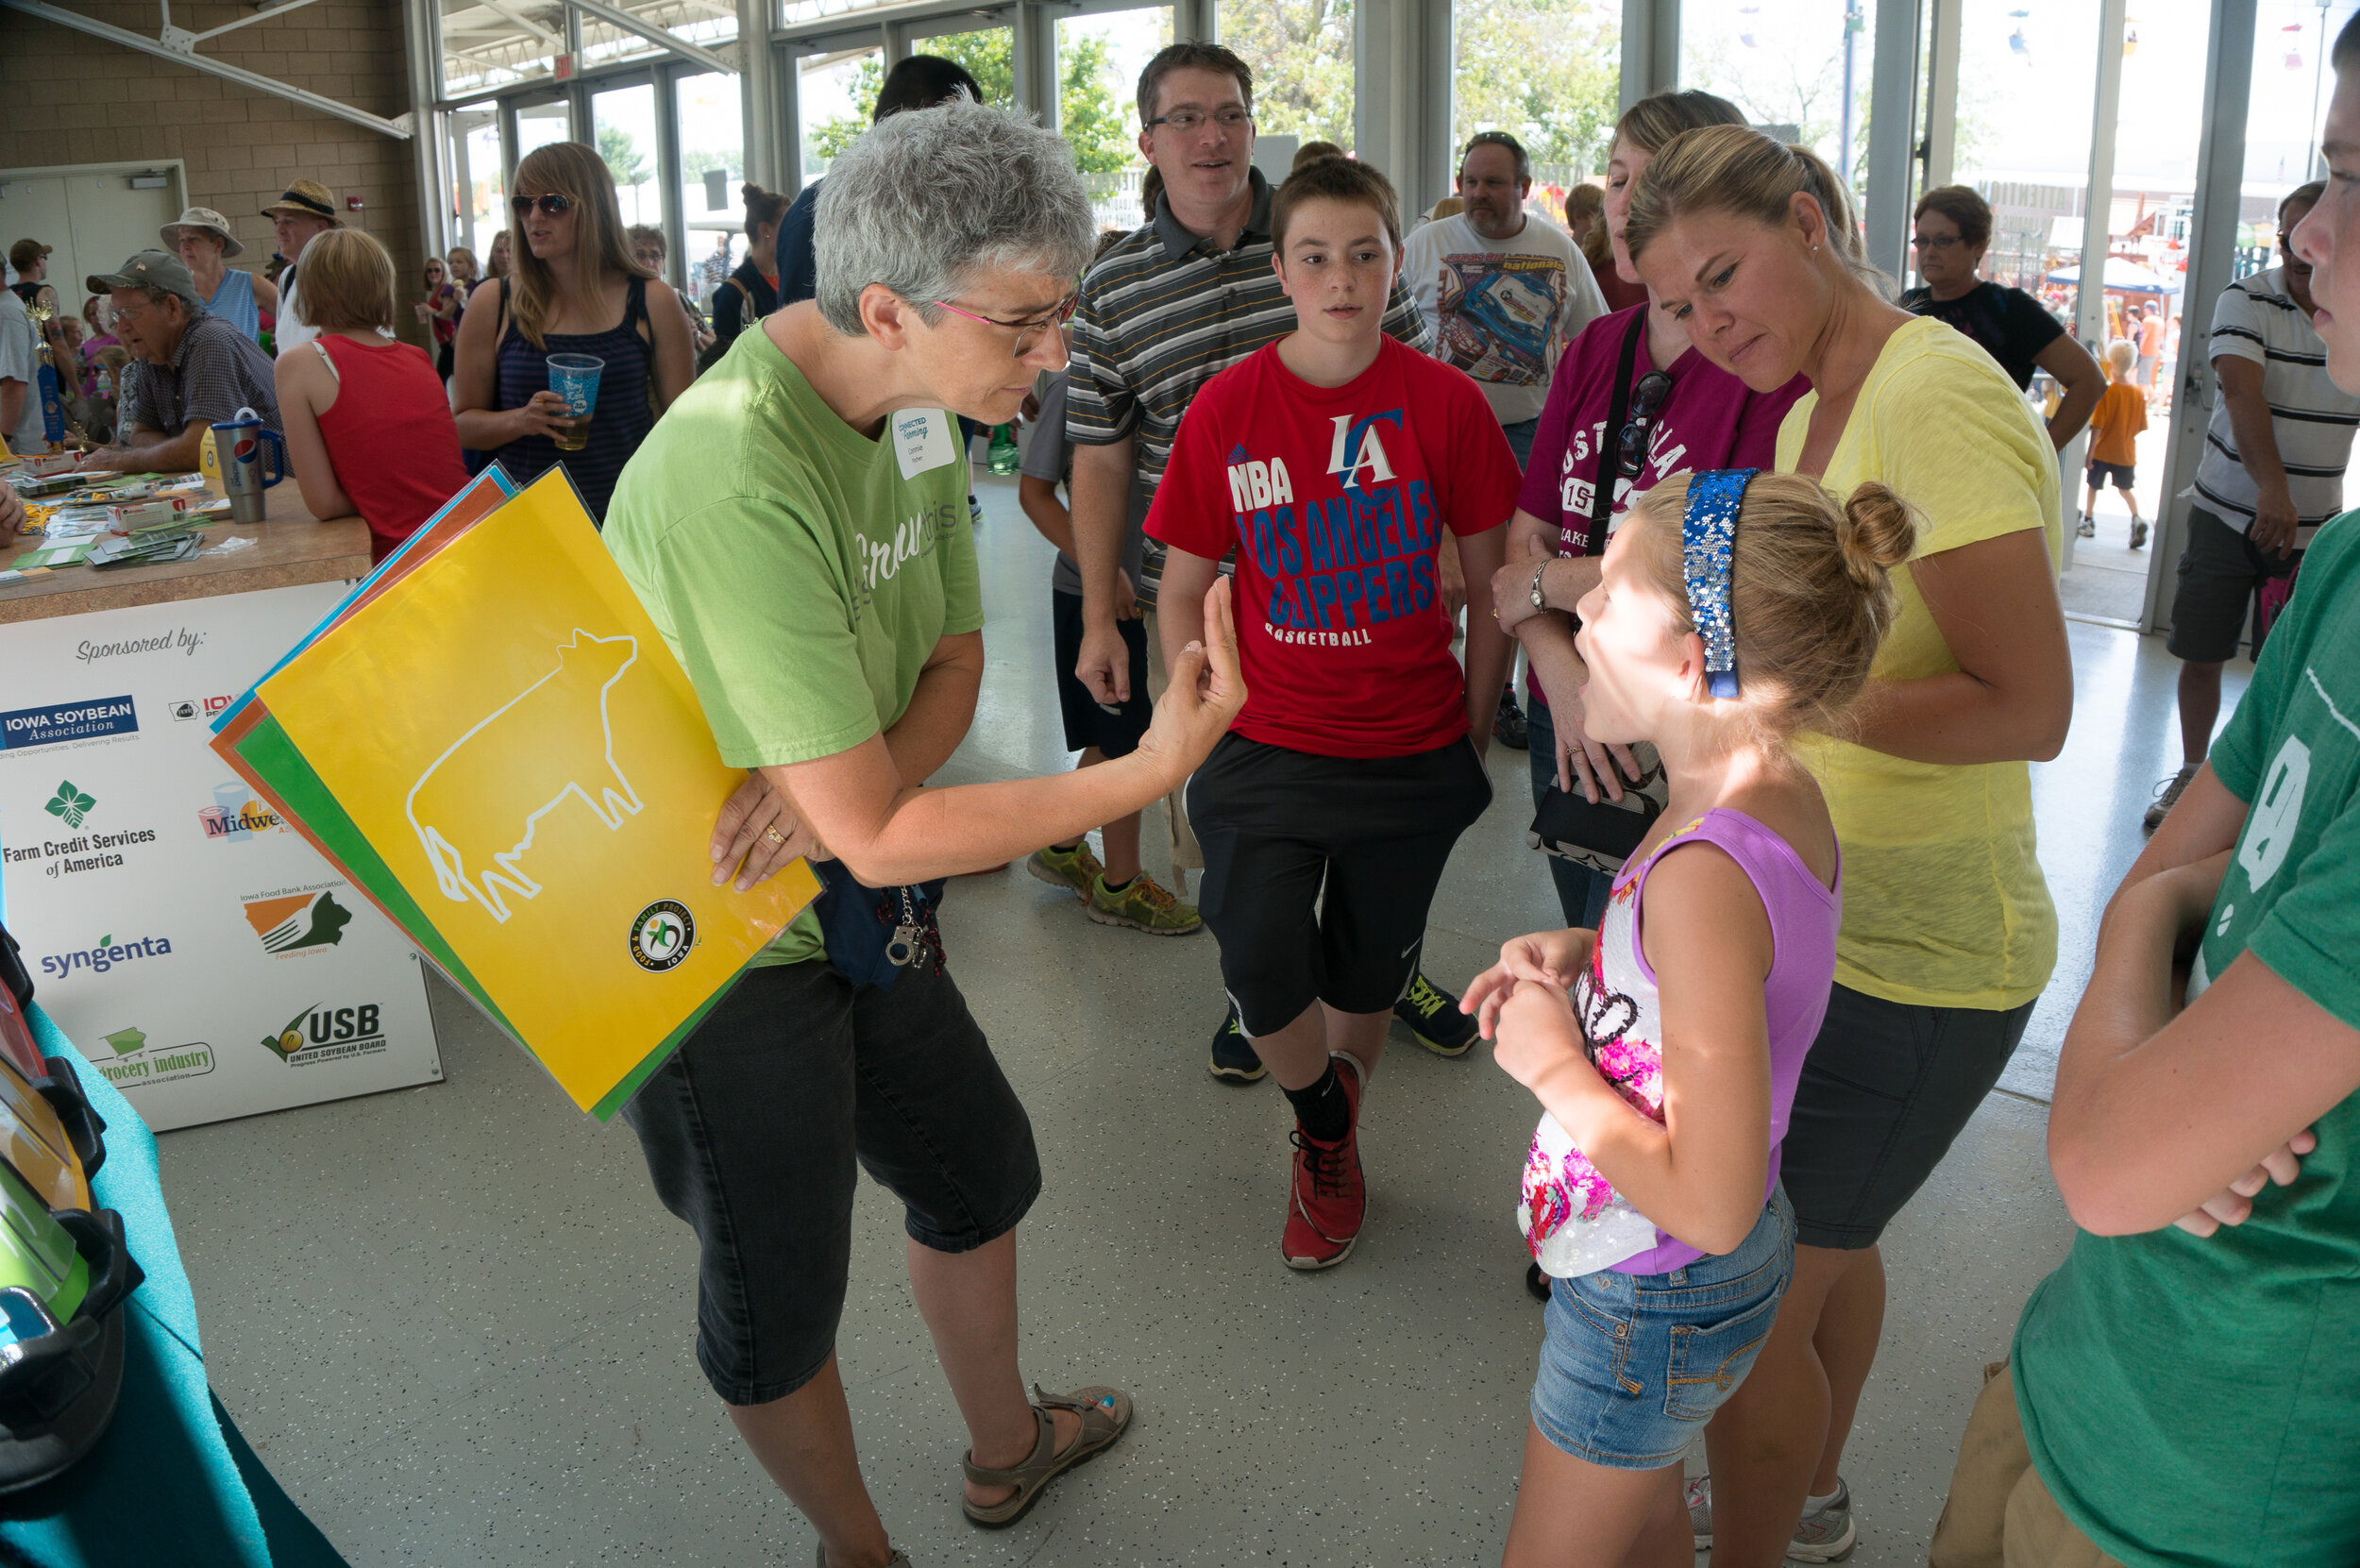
(2115, 428)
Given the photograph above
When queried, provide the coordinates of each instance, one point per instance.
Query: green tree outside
(620, 151)
(1301, 54)
(1092, 115)
(1547, 71)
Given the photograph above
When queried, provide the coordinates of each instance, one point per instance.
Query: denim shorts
(1634, 1365)
(757, 1129)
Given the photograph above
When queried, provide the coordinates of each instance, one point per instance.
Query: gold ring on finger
(774, 835)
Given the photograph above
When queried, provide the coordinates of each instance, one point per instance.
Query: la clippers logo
(1358, 438)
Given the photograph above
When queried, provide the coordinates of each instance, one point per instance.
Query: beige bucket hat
(209, 220)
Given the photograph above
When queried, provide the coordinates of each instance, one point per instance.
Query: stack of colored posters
(490, 739)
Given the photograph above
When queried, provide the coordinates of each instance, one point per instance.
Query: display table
(206, 959)
(290, 550)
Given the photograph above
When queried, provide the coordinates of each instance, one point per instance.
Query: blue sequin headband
(1708, 540)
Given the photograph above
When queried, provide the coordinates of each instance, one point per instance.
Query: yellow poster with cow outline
(509, 732)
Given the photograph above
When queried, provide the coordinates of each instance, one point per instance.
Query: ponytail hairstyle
(762, 207)
(1650, 124)
(1737, 169)
(1811, 590)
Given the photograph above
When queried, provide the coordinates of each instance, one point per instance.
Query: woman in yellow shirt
(1949, 934)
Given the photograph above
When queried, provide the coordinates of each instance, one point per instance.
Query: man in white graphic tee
(1503, 290)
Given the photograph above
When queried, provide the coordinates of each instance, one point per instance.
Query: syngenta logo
(104, 955)
(70, 804)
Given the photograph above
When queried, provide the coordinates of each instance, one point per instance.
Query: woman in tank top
(368, 427)
(576, 289)
(203, 242)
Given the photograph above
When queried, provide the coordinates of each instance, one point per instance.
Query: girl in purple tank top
(1736, 609)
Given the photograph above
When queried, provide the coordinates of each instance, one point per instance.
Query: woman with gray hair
(796, 526)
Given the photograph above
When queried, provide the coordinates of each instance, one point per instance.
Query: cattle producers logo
(325, 1034)
(64, 721)
(70, 805)
(187, 709)
(104, 955)
(294, 923)
(138, 1062)
(662, 936)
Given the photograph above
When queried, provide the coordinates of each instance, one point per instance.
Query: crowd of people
(1778, 549)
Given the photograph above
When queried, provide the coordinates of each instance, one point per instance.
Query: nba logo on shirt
(1358, 438)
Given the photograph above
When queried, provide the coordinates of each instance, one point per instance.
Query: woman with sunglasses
(577, 290)
(1953, 230)
(1680, 411)
(439, 309)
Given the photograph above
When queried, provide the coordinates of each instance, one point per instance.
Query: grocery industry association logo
(137, 1062)
(325, 1034)
(662, 936)
(70, 805)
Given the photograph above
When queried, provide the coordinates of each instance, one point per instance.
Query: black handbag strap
(1610, 442)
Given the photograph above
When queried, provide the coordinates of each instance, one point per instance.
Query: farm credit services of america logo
(70, 805)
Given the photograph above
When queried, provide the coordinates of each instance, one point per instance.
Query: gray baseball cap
(150, 269)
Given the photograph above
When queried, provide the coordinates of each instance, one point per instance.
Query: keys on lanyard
(908, 942)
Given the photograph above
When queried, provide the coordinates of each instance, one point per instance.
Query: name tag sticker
(922, 440)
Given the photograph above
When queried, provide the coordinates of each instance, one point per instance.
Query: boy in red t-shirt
(1330, 463)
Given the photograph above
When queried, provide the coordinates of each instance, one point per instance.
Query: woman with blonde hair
(1948, 936)
(368, 427)
(498, 262)
(577, 290)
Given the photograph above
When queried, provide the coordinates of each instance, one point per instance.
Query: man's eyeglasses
(1028, 333)
(554, 205)
(1230, 120)
(1936, 241)
(1646, 402)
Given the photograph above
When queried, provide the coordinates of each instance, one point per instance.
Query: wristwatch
(1539, 601)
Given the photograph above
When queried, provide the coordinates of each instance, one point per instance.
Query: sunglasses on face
(554, 205)
(1646, 402)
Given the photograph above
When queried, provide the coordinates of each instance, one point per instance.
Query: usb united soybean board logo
(70, 806)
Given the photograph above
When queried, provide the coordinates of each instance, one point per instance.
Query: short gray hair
(928, 199)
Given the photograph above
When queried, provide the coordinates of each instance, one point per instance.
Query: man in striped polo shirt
(2271, 473)
(1187, 295)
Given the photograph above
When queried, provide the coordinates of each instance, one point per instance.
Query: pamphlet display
(491, 740)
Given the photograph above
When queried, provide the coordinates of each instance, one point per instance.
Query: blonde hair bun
(1876, 532)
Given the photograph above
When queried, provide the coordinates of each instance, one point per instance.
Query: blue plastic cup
(574, 378)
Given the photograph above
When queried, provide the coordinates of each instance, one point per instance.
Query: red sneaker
(1327, 1197)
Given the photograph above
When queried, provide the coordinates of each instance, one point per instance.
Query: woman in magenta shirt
(369, 426)
(1687, 414)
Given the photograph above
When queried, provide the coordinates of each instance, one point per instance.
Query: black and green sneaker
(1234, 1060)
(1432, 1014)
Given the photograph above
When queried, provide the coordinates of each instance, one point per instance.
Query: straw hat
(306, 198)
(206, 220)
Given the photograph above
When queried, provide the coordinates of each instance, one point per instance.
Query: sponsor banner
(198, 950)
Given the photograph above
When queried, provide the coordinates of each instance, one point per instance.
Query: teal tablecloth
(171, 1482)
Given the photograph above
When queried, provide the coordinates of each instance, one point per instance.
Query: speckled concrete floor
(456, 1323)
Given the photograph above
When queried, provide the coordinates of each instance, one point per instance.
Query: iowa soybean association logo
(662, 936)
(325, 1034)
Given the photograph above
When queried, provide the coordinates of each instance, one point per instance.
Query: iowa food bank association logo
(328, 1034)
(296, 921)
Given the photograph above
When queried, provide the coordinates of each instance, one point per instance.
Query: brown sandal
(1106, 1414)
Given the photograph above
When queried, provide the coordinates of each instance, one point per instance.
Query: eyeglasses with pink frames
(1028, 333)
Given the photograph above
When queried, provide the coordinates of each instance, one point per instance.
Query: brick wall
(66, 98)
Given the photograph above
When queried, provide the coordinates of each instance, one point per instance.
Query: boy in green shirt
(2185, 1388)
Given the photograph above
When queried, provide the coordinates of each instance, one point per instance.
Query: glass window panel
(1099, 61)
(623, 124)
(1301, 51)
(480, 197)
(1800, 69)
(2028, 86)
(836, 93)
(1548, 73)
(712, 164)
(488, 45)
(538, 124)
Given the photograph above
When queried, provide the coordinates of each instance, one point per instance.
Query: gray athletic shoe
(2167, 796)
(1826, 1536)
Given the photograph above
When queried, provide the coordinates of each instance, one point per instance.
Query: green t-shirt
(2198, 1401)
(802, 573)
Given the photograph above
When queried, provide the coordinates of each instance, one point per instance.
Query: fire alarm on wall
(352, 204)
